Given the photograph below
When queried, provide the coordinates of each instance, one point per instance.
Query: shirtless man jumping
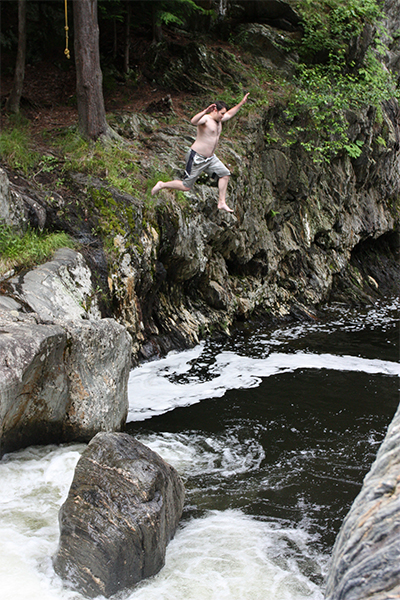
(201, 156)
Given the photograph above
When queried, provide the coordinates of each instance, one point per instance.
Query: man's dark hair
(220, 104)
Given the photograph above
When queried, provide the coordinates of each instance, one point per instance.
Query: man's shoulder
(205, 120)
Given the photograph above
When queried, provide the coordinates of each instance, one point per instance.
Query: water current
(272, 431)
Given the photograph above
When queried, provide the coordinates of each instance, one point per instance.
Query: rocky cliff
(173, 269)
(300, 236)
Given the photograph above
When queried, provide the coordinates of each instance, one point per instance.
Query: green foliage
(16, 148)
(330, 24)
(30, 248)
(111, 9)
(176, 12)
(114, 161)
(326, 85)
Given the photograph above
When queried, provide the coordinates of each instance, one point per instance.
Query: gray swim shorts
(196, 164)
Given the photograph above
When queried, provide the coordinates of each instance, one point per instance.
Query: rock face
(18, 208)
(123, 508)
(366, 556)
(59, 289)
(302, 234)
(64, 369)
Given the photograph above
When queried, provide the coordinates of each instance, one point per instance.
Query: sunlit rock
(64, 370)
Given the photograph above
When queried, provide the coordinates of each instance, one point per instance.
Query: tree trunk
(127, 36)
(157, 29)
(89, 91)
(16, 92)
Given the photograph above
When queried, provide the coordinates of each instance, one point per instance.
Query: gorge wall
(173, 269)
(300, 235)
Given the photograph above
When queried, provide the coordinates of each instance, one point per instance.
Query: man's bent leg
(222, 186)
(176, 184)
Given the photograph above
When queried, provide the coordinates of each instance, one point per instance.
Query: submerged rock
(122, 509)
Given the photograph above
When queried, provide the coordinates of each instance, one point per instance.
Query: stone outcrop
(17, 208)
(365, 563)
(302, 234)
(123, 508)
(64, 369)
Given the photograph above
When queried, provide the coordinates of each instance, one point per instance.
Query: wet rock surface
(123, 508)
(366, 556)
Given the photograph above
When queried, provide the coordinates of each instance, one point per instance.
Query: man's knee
(224, 179)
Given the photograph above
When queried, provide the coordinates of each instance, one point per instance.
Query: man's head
(220, 104)
(220, 110)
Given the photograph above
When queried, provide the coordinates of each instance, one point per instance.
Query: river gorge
(257, 352)
(272, 431)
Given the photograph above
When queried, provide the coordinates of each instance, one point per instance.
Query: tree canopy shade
(89, 92)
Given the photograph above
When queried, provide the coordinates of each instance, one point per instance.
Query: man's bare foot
(224, 206)
(156, 188)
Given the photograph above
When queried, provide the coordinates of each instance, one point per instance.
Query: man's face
(218, 114)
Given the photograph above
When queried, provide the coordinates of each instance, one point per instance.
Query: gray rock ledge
(366, 556)
(64, 370)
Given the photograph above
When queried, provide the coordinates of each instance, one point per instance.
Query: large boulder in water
(122, 509)
(366, 556)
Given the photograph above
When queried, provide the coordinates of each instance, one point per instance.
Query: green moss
(114, 161)
(111, 218)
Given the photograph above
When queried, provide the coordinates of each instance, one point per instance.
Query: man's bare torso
(207, 137)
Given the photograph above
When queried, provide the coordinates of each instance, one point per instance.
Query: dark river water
(272, 431)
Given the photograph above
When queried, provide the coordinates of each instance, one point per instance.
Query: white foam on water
(34, 484)
(380, 316)
(196, 454)
(224, 554)
(230, 556)
(151, 391)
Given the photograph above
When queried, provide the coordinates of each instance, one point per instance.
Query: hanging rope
(66, 51)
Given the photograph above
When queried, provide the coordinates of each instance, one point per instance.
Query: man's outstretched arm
(232, 111)
(197, 118)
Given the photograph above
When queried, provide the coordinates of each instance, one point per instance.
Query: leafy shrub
(327, 84)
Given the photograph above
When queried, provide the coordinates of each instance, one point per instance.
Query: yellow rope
(66, 51)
